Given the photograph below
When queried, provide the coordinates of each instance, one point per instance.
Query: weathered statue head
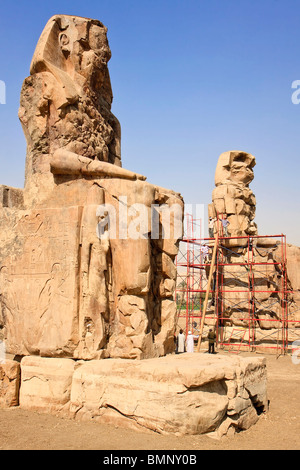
(232, 198)
(76, 51)
(66, 101)
(236, 167)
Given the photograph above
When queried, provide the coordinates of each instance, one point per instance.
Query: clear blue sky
(191, 79)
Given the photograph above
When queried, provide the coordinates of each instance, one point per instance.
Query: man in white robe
(190, 342)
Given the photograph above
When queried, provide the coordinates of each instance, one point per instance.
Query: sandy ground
(277, 429)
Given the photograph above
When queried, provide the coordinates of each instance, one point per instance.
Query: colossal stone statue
(253, 268)
(67, 290)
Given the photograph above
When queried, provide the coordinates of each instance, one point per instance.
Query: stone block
(46, 384)
(187, 393)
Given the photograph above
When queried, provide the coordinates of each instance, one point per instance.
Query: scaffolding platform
(249, 291)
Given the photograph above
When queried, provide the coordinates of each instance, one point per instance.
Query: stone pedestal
(178, 394)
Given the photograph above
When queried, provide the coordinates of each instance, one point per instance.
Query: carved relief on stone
(38, 273)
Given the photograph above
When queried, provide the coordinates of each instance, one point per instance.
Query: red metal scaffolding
(249, 297)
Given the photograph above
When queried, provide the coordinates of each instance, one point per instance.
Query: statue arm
(64, 162)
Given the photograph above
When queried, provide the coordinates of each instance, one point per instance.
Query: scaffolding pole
(211, 270)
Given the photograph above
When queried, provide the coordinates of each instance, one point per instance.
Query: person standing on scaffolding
(211, 224)
(225, 223)
(205, 253)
